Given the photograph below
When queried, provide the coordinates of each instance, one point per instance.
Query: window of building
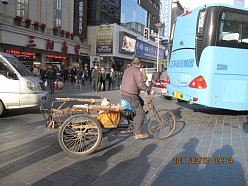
(133, 16)
(57, 13)
(22, 8)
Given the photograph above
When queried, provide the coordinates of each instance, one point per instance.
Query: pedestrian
(51, 76)
(102, 78)
(132, 84)
(89, 74)
(65, 74)
(36, 71)
(111, 79)
(78, 78)
(94, 76)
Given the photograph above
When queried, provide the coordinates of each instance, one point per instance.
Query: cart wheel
(80, 135)
(162, 124)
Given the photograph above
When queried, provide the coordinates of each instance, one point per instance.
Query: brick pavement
(30, 153)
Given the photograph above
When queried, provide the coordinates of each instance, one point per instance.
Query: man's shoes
(140, 135)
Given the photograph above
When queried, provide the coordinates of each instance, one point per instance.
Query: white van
(19, 88)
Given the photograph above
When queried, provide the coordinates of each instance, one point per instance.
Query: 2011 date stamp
(202, 160)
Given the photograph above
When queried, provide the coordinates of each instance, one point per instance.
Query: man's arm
(140, 83)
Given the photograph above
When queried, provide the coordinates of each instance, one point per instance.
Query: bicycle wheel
(80, 135)
(162, 124)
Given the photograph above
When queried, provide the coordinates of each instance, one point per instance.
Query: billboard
(148, 51)
(127, 43)
(80, 19)
(165, 15)
(104, 39)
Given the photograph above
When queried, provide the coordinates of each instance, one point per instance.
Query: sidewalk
(207, 148)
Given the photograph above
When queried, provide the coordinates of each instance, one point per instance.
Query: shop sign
(145, 50)
(165, 14)
(64, 47)
(50, 44)
(18, 52)
(80, 18)
(104, 39)
(51, 56)
(31, 43)
(76, 49)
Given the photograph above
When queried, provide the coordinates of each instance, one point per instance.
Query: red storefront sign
(18, 52)
(64, 47)
(51, 56)
(76, 49)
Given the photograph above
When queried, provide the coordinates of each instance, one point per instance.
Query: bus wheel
(2, 109)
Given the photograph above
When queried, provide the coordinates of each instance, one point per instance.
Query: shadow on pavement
(210, 110)
(220, 168)
(97, 170)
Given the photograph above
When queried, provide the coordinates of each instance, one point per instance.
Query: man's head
(136, 61)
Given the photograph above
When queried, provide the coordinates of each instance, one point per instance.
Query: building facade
(81, 32)
(45, 31)
(114, 24)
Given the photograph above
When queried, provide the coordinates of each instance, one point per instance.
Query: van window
(6, 71)
(19, 66)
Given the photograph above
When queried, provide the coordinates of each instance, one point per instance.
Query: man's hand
(152, 92)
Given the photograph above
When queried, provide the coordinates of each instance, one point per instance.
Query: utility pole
(159, 26)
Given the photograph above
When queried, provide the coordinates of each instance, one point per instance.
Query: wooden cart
(82, 130)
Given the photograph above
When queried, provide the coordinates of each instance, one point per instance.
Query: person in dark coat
(132, 84)
(51, 77)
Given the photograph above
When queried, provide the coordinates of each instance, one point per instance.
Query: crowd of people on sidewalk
(78, 77)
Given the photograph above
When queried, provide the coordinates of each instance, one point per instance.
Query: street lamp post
(159, 26)
(158, 52)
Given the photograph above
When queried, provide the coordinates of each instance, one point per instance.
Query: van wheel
(2, 109)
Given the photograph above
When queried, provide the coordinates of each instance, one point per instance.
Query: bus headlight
(34, 86)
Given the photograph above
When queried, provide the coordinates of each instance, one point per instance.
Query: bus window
(201, 21)
(199, 35)
(233, 30)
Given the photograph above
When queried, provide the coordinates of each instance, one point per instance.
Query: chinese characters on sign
(166, 18)
(31, 42)
(76, 49)
(64, 47)
(80, 19)
(80, 15)
(50, 44)
(145, 50)
(104, 39)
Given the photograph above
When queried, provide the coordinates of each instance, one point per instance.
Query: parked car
(159, 86)
(19, 87)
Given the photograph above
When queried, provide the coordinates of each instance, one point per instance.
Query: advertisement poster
(104, 39)
(127, 43)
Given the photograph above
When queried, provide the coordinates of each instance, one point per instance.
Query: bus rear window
(233, 30)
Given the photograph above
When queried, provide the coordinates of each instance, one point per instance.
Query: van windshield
(19, 66)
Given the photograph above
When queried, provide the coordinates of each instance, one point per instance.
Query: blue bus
(208, 57)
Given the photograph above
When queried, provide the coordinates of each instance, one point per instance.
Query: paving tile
(86, 180)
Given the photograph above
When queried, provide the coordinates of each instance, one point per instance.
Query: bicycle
(81, 134)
